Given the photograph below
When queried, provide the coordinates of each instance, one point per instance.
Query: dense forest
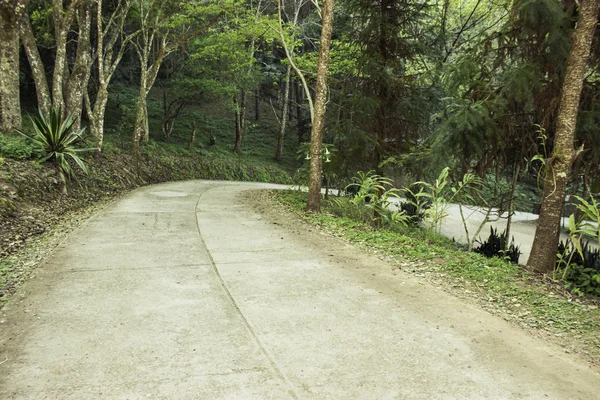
(500, 96)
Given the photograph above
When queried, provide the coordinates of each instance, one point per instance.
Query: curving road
(187, 291)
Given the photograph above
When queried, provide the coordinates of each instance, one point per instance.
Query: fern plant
(57, 140)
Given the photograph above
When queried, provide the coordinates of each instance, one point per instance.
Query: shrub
(54, 136)
(581, 273)
(495, 244)
(372, 192)
(415, 205)
(19, 148)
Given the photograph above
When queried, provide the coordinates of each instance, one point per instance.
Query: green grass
(496, 284)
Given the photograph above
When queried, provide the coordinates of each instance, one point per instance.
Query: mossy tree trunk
(62, 23)
(110, 48)
(10, 105)
(543, 252)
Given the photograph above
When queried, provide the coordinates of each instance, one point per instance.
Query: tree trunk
(147, 79)
(79, 77)
(257, 104)
(62, 182)
(109, 55)
(284, 114)
(140, 131)
(140, 117)
(96, 116)
(240, 114)
(300, 120)
(167, 127)
(511, 204)
(192, 136)
(37, 66)
(543, 252)
(146, 136)
(61, 29)
(314, 188)
(10, 105)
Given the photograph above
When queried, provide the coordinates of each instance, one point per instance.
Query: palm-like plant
(58, 141)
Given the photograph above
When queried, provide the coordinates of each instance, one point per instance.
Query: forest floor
(209, 289)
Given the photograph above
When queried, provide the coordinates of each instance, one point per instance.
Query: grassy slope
(258, 146)
(498, 286)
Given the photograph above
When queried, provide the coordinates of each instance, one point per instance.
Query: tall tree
(38, 71)
(77, 80)
(111, 44)
(62, 19)
(69, 75)
(389, 37)
(229, 54)
(545, 243)
(316, 140)
(10, 107)
(164, 27)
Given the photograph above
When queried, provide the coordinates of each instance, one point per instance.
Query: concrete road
(193, 290)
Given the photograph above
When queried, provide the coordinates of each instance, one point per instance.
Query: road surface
(189, 291)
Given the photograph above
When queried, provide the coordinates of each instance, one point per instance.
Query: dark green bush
(494, 247)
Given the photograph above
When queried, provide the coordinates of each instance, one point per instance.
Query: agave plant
(58, 141)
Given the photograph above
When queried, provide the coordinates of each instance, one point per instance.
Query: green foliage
(53, 134)
(19, 148)
(374, 193)
(177, 163)
(344, 207)
(496, 191)
(415, 204)
(579, 266)
(228, 53)
(463, 131)
(590, 223)
(435, 194)
(577, 262)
